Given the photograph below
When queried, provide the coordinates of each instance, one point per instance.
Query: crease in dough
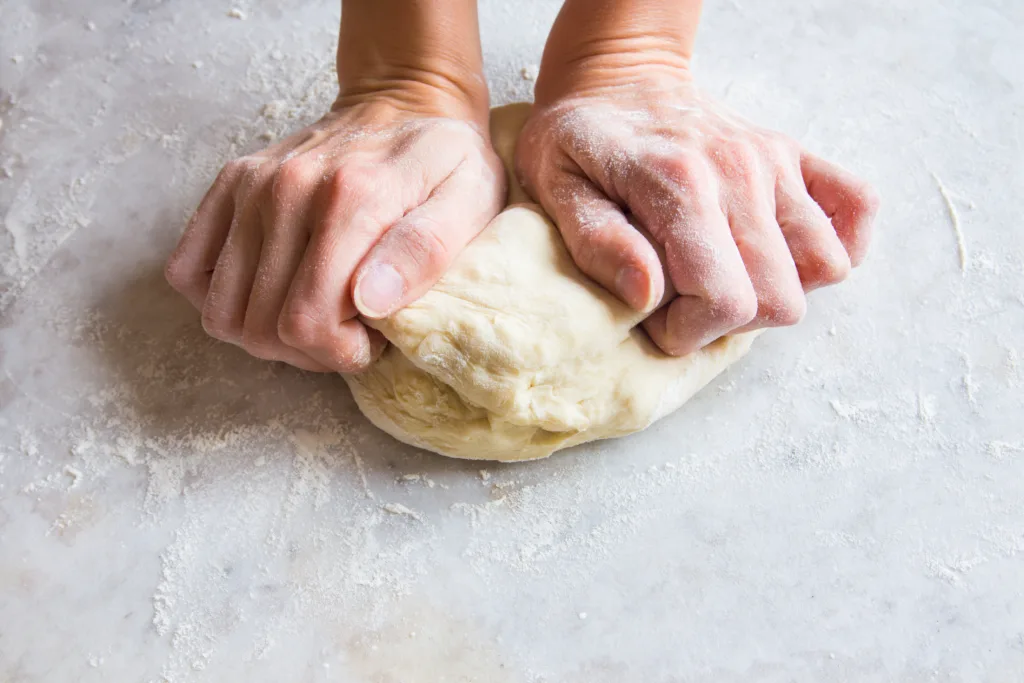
(515, 353)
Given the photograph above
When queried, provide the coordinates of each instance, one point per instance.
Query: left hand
(356, 215)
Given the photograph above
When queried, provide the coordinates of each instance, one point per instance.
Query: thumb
(601, 240)
(419, 248)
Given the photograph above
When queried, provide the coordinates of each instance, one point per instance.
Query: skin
(748, 221)
(359, 214)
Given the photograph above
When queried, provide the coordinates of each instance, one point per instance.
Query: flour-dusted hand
(747, 219)
(358, 214)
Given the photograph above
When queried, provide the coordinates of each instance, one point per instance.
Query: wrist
(430, 90)
(601, 44)
(424, 57)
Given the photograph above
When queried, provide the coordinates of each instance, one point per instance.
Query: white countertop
(847, 504)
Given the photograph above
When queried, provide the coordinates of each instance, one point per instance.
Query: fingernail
(633, 287)
(379, 291)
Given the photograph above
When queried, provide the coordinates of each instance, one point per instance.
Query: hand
(359, 213)
(748, 221)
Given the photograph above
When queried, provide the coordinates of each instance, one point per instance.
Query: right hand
(359, 213)
(747, 220)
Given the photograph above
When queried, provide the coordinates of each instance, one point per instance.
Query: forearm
(592, 40)
(424, 53)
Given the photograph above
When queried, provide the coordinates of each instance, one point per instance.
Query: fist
(747, 220)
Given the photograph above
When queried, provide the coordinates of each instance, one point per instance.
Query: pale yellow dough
(515, 353)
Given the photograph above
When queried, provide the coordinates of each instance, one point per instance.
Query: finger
(562, 169)
(350, 212)
(286, 234)
(233, 275)
(601, 241)
(848, 201)
(766, 255)
(715, 293)
(675, 199)
(348, 346)
(190, 266)
(418, 249)
(819, 256)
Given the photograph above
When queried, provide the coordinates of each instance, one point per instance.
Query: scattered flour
(970, 385)
(275, 514)
(399, 509)
(861, 411)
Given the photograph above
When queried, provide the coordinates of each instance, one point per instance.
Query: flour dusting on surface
(172, 510)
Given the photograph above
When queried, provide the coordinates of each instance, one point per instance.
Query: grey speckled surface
(846, 504)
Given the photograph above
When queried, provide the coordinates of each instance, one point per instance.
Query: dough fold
(515, 353)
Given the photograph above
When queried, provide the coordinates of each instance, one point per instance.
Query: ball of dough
(515, 353)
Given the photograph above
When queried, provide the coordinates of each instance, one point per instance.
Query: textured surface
(516, 354)
(845, 504)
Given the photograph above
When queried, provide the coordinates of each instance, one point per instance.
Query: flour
(418, 477)
(925, 407)
(302, 466)
(1004, 449)
(260, 513)
(399, 509)
(969, 384)
(1013, 365)
(74, 474)
(861, 411)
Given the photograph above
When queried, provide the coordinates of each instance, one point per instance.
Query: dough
(515, 353)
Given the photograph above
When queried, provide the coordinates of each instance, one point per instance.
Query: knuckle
(736, 307)
(684, 169)
(833, 268)
(298, 328)
(863, 203)
(177, 273)
(301, 329)
(866, 200)
(736, 158)
(422, 245)
(782, 310)
(673, 348)
(676, 341)
(353, 181)
(218, 324)
(254, 176)
(352, 355)
(259, 342)
(234, 170)
(292, 180)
